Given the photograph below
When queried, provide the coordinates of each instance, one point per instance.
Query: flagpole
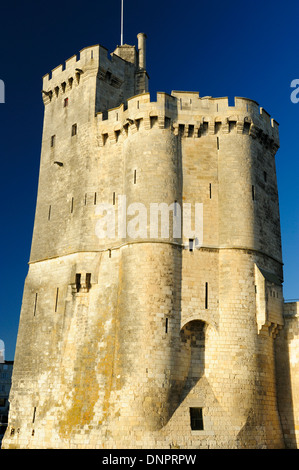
(122, 23)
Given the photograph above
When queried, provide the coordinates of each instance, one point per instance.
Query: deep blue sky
(218, 48)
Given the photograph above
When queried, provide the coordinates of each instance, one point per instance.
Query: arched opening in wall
(193, 336)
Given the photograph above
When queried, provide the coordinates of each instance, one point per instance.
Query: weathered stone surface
(119, 337)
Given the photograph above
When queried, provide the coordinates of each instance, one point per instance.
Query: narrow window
(71, 82)
(265, 176)
(210, 190)
(205, 128)
(135, 176)
(153, 121)
(74, 129)
(56, 301)
(137, 104)
(63, 86)
(206, 295)
(196, 419)
(190, 130)
(166, 325)
(109, 252)
(85, 199)
(191, 243)
(49, 213)
(34, 411)
(105, 138)
(91, 54)
(95, 199)
(72, 205)
(113, 199)
(56, 89)
(253, 192)
(35, 304)
(52, 140)
(181, 129)
(175, 208)
(231, 125)
(246, 128)
(217, 143)
(217, 127)
(66, 102)
(78, 282)
(88, 281)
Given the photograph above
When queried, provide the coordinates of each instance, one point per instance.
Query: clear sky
(217, 48)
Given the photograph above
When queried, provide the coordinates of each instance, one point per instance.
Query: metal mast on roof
(122, 23)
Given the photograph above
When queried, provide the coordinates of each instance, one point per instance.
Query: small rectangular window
(88, 281)
(95, 199)
(205, 128)
(34, 412)
(135, 176)
(113, 199)
(232, 125)
(49, 213)
(56, 301)
(206, 295)
(105, 138)
(253, 192)
(210, 190)
(191, 244)
(78, 282)
(190, 130)
(66, 102)
(72, 205)
(35, 304)
(166, 325)
(52, 140)
(217, 126)
(217, 143)
(196, 419)
(74, 129)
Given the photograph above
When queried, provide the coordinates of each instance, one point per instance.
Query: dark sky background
(217, 48)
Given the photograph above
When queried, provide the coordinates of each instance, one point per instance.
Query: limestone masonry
(153, 342)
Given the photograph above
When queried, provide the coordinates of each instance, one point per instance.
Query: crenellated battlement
(91, 60)
(190, 116)
(66, 76)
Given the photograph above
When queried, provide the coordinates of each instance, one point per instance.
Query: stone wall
(287, 370)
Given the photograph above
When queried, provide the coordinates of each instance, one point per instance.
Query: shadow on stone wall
(284, 388)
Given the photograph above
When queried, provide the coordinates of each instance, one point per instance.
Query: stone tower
(149, 341)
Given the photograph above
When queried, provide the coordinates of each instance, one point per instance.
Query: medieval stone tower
(152, 341)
